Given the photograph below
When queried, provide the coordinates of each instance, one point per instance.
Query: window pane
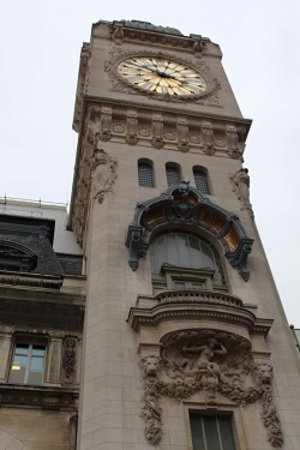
(145, 173)
(35, 378)
(201, 181)
(38, 350)
(211, 433)
(173, 175)
(185, 250)
(226, 433)
(17, 375)
(36, 364)
(19, 360)
(22, 349)
(197, 432)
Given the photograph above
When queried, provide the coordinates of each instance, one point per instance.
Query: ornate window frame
(184, 206)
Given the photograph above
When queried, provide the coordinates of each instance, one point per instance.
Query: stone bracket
(137, 245)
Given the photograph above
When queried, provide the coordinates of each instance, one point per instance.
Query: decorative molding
(81, 86)
(144, 32)
(69, 357)
(186, 206)
(241, 184)
(208, 363)
(31, 280)
(198, 305)
(207, 97)
(45, 397)
(117, 123)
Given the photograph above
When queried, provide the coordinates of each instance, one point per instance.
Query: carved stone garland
(69, 357)
(192, 361)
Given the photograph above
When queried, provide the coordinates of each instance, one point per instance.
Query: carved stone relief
(69, 357)
(138, 31)
(213, 364)
(241, 183)
(104, 173)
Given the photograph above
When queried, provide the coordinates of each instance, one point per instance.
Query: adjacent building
(185, 344)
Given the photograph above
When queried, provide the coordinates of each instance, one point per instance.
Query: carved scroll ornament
(195, 361)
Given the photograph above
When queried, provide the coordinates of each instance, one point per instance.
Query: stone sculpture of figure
(241, 182)
(104, 174)
(206, 352)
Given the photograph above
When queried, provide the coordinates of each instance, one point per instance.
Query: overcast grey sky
(40, 42)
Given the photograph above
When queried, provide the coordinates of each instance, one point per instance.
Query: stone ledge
(45, 397)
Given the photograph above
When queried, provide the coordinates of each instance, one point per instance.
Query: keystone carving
(104, 173)
(211, 363)
(241, 184)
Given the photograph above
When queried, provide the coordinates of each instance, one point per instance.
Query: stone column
(5, 346)
(53, 368)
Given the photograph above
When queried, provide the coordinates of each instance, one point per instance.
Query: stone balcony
(171, 311)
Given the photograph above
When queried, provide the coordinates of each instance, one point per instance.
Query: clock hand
(144, 67)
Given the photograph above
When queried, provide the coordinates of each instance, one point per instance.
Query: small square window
(28, 363)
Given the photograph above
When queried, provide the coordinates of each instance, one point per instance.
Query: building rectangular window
(145, 174)
(211, 432)
(28, 363)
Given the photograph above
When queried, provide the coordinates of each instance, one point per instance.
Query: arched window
(145, 173)
(173, 174)
(201, 180)
(16, 257)
(183, 260)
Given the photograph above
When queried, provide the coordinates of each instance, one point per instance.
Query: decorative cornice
(31, 280)
(82, 82)
(144, 32)
(45, 397)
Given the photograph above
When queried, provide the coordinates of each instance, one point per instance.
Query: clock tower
(186, 345)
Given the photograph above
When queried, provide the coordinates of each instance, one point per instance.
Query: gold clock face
(162, 76)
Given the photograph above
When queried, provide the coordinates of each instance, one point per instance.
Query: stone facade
(182, 317)
(156, 353)
(42, 309)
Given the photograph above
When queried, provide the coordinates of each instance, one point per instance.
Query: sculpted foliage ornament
(69, 357)
(214, 363)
